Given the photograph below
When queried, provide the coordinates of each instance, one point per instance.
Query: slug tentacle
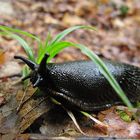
(30, 63)
(42, 67)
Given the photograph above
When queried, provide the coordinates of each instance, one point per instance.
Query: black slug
(80, 85)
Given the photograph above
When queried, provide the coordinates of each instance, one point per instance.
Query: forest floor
(117, 38)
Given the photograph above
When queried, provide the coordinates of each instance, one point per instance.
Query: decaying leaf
(119, 128)
(31, 112)
(18, 122)
(2, 57)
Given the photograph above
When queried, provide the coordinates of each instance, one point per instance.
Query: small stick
(71, 115)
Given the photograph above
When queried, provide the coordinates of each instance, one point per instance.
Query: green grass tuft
(54, 45)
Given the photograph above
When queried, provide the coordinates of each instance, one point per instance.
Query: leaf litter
(118, 34)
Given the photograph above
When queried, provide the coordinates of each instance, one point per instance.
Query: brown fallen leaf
(121, 129)
(10, 136)
(29, 113)
(12, 121)
(2, 57)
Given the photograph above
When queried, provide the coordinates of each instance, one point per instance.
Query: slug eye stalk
(31, 64)
(38, 71)
(42, 67)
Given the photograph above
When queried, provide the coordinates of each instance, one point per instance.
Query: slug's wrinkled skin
(80, 85)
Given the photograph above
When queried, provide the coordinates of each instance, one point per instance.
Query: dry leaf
(2, 57)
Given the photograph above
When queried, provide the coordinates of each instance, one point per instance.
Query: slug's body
(80, 85)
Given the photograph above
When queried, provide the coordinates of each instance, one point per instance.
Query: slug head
(38, 73)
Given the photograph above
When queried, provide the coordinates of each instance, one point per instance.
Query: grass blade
(104, 70)
(55, 50)
(24, 44)
(43, 48)
(26, 47)
(94, 119)
(20, 32)
(71, 115)
(103, 127)
(61, 35)
(40, 50)
(48, 38)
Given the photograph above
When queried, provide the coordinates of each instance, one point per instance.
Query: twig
(103, 127)
(94, 119)
(75, 122)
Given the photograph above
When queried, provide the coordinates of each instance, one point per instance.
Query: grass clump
(55, 45)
